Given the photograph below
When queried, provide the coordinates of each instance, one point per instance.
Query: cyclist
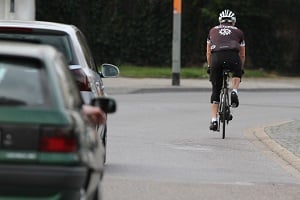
(225, 47)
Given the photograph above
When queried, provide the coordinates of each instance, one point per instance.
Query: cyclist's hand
(208, 70)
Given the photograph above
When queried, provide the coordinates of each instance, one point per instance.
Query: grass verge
(187, 72)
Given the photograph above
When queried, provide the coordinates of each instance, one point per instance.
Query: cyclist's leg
(216, 81)
(236, 68)
(235, 83)
(215, 97)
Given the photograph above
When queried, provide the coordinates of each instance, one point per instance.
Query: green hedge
(139, 32)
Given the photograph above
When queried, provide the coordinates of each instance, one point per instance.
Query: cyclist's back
(225, 37)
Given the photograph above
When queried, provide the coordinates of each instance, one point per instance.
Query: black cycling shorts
(229, 59)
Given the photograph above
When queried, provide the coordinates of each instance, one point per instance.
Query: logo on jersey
(225, 31)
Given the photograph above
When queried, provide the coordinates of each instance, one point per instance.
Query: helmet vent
(227, 16)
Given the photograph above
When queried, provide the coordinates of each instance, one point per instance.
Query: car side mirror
(109, 70)
(108, 105)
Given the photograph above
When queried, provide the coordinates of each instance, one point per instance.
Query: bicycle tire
(224, 107)
(222, 116)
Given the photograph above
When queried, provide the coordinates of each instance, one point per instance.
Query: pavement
(282, 139)
(140, 85)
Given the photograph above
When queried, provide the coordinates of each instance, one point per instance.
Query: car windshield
(59, 41)
(22, 83)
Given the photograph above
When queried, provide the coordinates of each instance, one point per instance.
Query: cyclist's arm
(242, 55)
(208, 53)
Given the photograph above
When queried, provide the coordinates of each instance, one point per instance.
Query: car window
(86, 50)
(22, 82)
(60, 41)
(70, 91)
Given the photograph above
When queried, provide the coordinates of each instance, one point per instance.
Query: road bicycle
(224, 106)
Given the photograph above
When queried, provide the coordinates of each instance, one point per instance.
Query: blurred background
(139, 32)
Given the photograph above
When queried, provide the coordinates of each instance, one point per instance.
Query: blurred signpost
(176, 46)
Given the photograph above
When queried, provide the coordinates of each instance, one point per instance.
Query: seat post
(225, 78)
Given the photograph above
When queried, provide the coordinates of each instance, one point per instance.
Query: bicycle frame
(224, 106)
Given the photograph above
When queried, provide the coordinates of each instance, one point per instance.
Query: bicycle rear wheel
(222, 114)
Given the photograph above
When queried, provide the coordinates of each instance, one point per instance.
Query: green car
(48, 150)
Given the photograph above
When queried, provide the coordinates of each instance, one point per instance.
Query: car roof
(39, 25)
(35, 51)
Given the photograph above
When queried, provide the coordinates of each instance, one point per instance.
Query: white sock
(213, 119)
(235, 90)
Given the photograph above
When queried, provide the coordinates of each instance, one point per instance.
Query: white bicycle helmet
(227, 16)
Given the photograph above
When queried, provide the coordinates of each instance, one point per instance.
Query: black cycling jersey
(225, 37)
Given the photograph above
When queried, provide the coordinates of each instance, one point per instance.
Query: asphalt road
(159, 147)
